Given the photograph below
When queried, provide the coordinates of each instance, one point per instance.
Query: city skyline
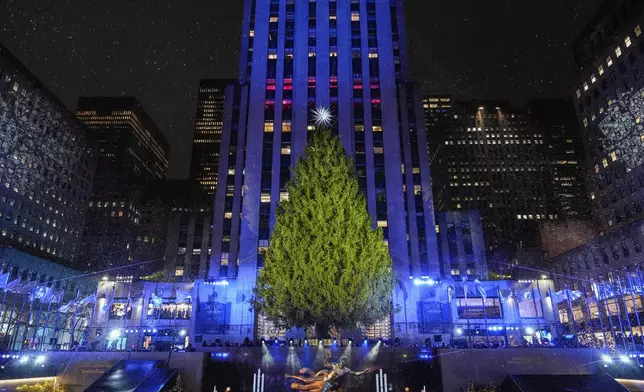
(161, 62)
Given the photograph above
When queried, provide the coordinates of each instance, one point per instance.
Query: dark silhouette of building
(123, 226)
(46, 167)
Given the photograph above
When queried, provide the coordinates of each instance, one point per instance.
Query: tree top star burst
(322, 116)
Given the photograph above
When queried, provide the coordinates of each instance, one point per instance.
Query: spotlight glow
(459, 331)
(624, 358)
(529, 330)
(24, 359)
(40, 359)
(607, 358)
(182, 332)
(115, 334)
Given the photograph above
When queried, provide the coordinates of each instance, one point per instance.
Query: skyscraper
(123, 226)
(46, 167)
(209, 123)
(350, 57)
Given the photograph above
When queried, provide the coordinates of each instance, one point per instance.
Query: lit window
(283, 195)
(585, 121)
(251, 33)
(272, 56)
(273, 19)
(596, 168)
(613, 156)
(355, 16)
(378, 150)
(455, 272)
(593, 79)
(268, 126)
(224, 258)
(638, 31)
(286, 150)
(600, 69)
(415, 170)
(618, 51)
(286, 126)
(417, 190)
(231, 171)
(627, 41)
(518, 216)
(311, 54)
(228, 215)
(578, 94)
(196, 251)
(310, 127)
(585, 86)
(604, 162)
(377, 128)
(382, 223)
(178, 271)
(373, 55)
(266, 198)
(609, 61)
(592, 195)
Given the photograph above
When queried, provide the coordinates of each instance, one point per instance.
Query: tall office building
(209, 124)
(556, 121)
(608, 92)
(490, 158)
(349, 56)
(46, 167)
(609, 102)
(123, 226)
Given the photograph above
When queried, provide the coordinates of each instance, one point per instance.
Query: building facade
(47, 167)
(189, 231)
(349, 57)
(608, 98)
(461, 244)
(122, 226)
(209, 124)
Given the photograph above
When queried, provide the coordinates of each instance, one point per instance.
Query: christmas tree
(325, 266)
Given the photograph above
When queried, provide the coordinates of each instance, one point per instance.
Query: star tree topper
(322, 117)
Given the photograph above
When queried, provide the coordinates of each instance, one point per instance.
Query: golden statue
(324, 380)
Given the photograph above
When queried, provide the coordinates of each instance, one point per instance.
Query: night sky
(157, 50)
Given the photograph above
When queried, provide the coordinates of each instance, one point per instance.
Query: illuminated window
(311, 54)
(585, 86)
(455, 272)
(268, 126)
(600, 69)
(283, 195)
(266, 198)
(286, 126)
(377, 128)
(604, 162)
(593, 79)
(585, 121)
(273, 19)
(578, 94)
(178, 271)
(592, 195)
(333, 54)
(373, 55)
(252, 33)
(613, 156)
(415, 170)
(272, 56)
(355, 16)
(228, 215)
(638, 31)
(417, 190)
(378, 150)
(382, 223)
(286, 150)
(224, 258)
(627, 41)
(618, 51)
(609, 61)
(596, 168)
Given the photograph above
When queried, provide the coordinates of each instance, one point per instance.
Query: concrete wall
(492, 365)
(80, 370)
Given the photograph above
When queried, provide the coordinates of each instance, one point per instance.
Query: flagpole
(109, 309)
(619, 318)
(590, 316)
(505, 331)
(33, 337)
(543, 313)
(555, 310)
(572, 313)
(56, 325)
(73, 323)
(44, 329)
(628, 317)
(637, 312)
(14, 335)
(610, 316)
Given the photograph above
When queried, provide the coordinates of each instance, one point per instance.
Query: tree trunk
(322, 331)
